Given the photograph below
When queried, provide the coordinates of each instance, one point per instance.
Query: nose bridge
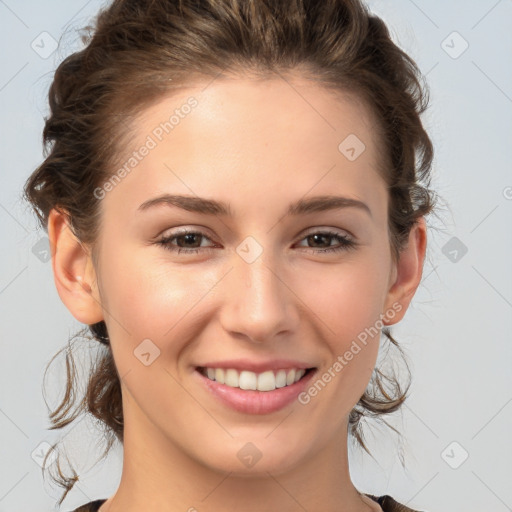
(258, 303)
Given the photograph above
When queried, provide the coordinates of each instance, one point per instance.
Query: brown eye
(185, 239)
(322, 237)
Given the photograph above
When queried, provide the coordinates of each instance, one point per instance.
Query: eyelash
(346, 243)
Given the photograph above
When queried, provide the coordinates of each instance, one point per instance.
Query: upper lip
(255, 366)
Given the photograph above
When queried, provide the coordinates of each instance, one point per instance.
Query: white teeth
(219, 375)
(231, 378)
(280, 379)
(247, 380)
(266, 381)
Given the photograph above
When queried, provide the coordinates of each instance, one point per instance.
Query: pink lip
(257, 367)
(255, 402)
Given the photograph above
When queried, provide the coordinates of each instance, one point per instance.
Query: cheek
(146, 296)
(349, 301)
(152, 299)
(348, 298)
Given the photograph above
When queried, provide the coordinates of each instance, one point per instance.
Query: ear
(407, 272)
(73, 271)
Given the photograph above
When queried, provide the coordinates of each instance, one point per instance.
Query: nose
(259, 303)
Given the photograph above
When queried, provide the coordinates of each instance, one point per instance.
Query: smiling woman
(301, 160)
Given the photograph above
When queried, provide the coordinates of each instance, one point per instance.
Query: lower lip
(253, 401)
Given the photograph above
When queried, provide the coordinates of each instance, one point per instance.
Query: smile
(250, 392)
(265, 381)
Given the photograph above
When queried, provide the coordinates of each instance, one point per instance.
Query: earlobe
(407, 275)
(73, 271)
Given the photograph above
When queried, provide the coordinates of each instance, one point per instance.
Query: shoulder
(92, 506)
(388, 504)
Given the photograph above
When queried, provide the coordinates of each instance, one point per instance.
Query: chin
(254, 459)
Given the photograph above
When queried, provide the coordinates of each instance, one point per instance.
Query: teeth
(266, 381)
(281, 379)
(248, 380)
(219, 375)
(231, 378)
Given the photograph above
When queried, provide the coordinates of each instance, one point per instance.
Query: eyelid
(325, 229)
(185, 230)
(345, 243)
(203, 231)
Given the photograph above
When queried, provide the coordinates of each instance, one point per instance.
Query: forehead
(294, 106)
(259, 135)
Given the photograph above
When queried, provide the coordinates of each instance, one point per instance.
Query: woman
(235, 197)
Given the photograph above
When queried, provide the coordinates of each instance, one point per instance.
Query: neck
(159, 475)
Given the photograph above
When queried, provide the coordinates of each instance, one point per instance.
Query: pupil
(189, 237)
(319, 237)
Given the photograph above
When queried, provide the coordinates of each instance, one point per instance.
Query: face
(254, 288)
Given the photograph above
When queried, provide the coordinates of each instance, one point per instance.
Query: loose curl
(141, 50)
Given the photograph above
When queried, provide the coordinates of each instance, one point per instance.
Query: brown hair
(134, 50)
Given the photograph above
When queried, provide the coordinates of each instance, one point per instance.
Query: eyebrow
(212, 207)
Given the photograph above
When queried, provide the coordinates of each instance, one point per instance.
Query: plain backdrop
(456, 423)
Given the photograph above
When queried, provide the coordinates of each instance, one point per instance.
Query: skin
(258, 145)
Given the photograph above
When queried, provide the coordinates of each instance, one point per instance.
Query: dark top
(387, 503)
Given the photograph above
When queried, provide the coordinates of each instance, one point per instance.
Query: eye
(189, 241)
(185, 238)
(344, 242)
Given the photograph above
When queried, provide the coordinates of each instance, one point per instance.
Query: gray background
(456, 334)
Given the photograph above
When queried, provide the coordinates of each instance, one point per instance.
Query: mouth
(265, 381)
(254, 386)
